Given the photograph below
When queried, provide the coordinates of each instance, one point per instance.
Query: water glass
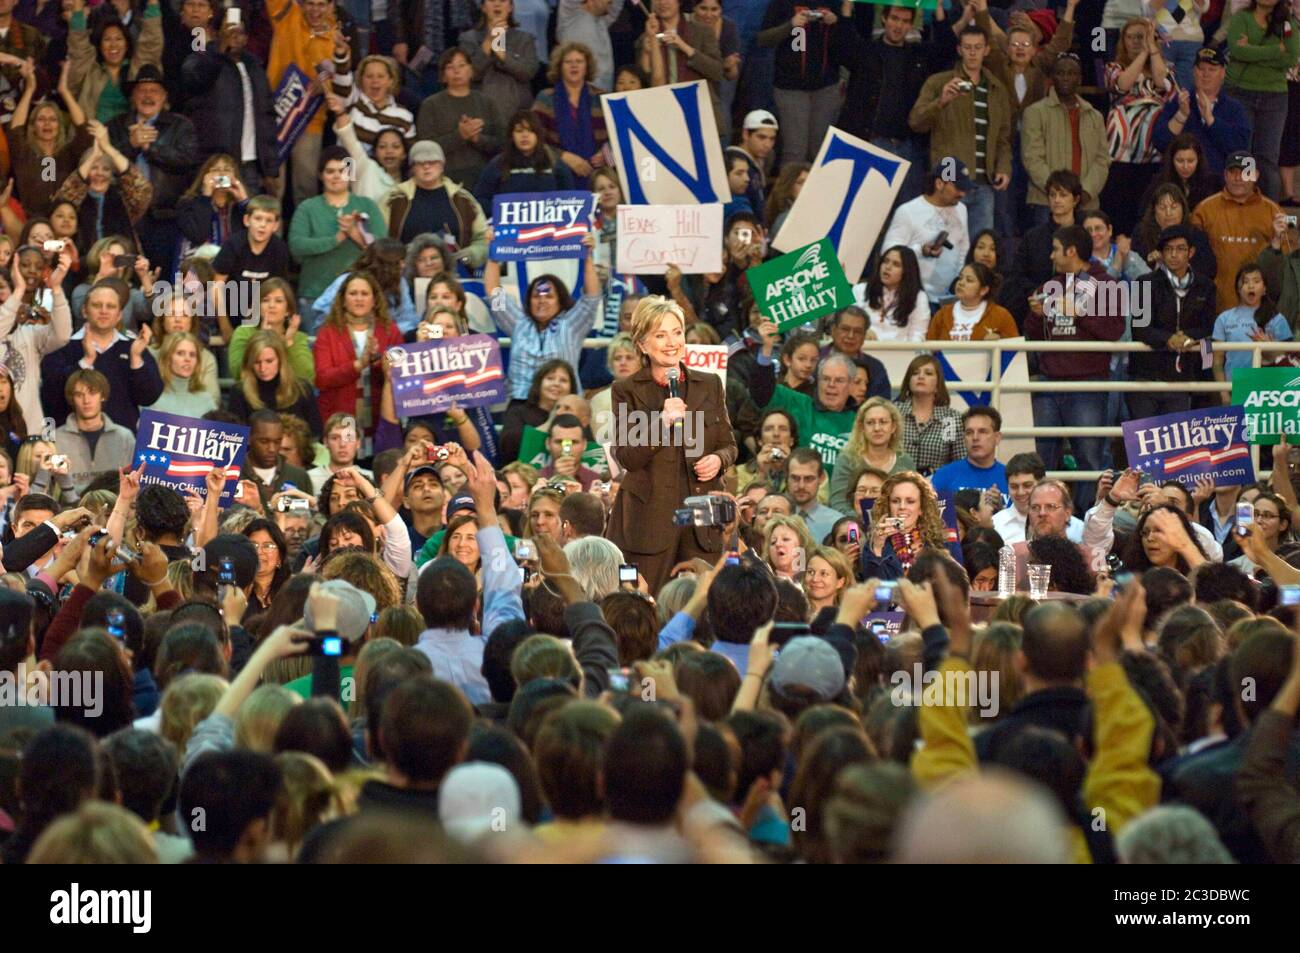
(1040, 575)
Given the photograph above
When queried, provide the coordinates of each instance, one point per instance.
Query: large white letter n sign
(847, 198)
(666, 145)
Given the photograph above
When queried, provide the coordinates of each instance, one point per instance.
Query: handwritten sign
(652, 237)
(180, 451)
(429, 375)
(708, 357)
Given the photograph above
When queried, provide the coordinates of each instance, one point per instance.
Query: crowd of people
(791, 625)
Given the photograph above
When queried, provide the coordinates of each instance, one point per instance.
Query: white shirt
(248, 134)
(1010, 525)
(964, 319)
(883, 325)
(918, 223)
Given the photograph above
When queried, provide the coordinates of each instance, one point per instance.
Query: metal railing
(998, 386)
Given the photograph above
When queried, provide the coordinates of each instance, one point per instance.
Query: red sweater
(1105, 326)
(336, 373)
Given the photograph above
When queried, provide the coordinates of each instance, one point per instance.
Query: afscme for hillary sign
(180, 451)
(1192, 443)
(848, 195)
(665, 143)
(541, 225)
(801, 286)
(1270, 397)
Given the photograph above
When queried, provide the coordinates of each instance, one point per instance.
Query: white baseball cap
(759, 119)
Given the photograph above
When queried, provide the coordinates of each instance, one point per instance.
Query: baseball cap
(952, 170)
(462, 501)
(477, 798)
(759, 119)
(426, 150)
(355, 609)
(812, 663)
(1241, 159)
(1208, 54)
(423, 469)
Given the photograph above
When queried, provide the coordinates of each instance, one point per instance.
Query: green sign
(532, 450)
(800, 287)
(1271, 398)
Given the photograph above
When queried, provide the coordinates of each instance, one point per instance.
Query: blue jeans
(1267, 112)
(979, 207)
(1072, 410)
(1181, 57)
(914, 151)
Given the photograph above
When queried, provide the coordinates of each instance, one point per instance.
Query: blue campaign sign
(295, 104)
(541, 225)
(1193, 443)
(179, 451)
(428, 376)
(665, 144)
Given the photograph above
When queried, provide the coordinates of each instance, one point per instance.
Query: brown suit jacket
(660, 476)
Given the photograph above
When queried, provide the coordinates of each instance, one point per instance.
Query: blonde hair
(373, 652)
(649, 313)
(165, 359)
(260, 716)
(369, 575)
(288, 390)
(97, 833)
(25, 462)
(793, 523)
(557, 61)
(837, 561)
(307, 797)
(930, 523)
(543, 656)
(856, 448)
(188, 700)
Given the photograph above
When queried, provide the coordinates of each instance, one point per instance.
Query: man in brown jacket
(1239, 221)
(967, 113)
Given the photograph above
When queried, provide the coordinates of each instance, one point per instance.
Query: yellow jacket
(1238, 232)
(1119, 784)
(294, 43)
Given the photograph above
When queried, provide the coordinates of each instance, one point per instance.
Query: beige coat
(1045, 147)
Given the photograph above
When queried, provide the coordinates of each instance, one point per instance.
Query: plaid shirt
(531, 348)
(939, 441)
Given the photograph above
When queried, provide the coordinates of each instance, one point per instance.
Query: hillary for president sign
(1190, 444)
(800, 287)
(295, 104)
(541, 225)
(429, 376)
(180, 451)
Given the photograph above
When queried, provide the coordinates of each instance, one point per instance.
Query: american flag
(1204, 456)
(181, 467)
(550, 231)
(451, 380)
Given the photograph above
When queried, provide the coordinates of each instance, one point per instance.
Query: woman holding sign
(672, 435)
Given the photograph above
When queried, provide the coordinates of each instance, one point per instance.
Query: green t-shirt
(826, 431)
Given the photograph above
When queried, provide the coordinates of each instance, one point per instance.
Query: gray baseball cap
(355, 609)
(809, 662)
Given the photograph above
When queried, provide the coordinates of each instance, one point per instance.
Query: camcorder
(292, 504)
(705, 511)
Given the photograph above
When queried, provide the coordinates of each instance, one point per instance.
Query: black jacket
(866, 62)
(128, 390)
(1065, 710)
(1155, 323)
(215, 101)
(173, 158)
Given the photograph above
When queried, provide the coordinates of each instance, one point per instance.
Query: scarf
(573, 123)
(435, 27)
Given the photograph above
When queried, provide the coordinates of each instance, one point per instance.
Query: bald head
(987, 818)
(1055, 644)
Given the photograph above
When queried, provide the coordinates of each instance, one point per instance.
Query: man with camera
(565, 444)
(934, 226)
(342, 442)
(264, 466)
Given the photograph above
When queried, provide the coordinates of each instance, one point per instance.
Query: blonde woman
(100, 263)
(178, 318)
(876, 441)
(267, 380)
(183, 391)
(278, 312)
(521, 478)
(904, 522)
(786, 545)
(32, 456)
(825, 577)
(659, 478)
(306, 799)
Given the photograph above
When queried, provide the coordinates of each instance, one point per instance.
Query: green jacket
(300, 357)
(313, 244)
(1260, 65)
(1282, 278)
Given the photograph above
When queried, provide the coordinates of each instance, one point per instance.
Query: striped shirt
(530, 348)
(980, 94)
(369, 120)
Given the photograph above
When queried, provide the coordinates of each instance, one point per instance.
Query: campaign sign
(541, 225)
(179, 451)
(1270, 397)
(848, 195)
(709, 357)
(800, 287)
(428, 376)
(884, 625)
(295, 105)
(665, 144)
(1193, 443)
(652, 237)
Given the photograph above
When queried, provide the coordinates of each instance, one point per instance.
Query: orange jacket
(996, 319)
(1238, 232)
(293, 43)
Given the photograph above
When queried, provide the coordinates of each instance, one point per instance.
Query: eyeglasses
(1021, 44)
(1045, 508)
(266, 547)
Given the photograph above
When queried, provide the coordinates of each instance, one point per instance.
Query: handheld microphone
(673, 374)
